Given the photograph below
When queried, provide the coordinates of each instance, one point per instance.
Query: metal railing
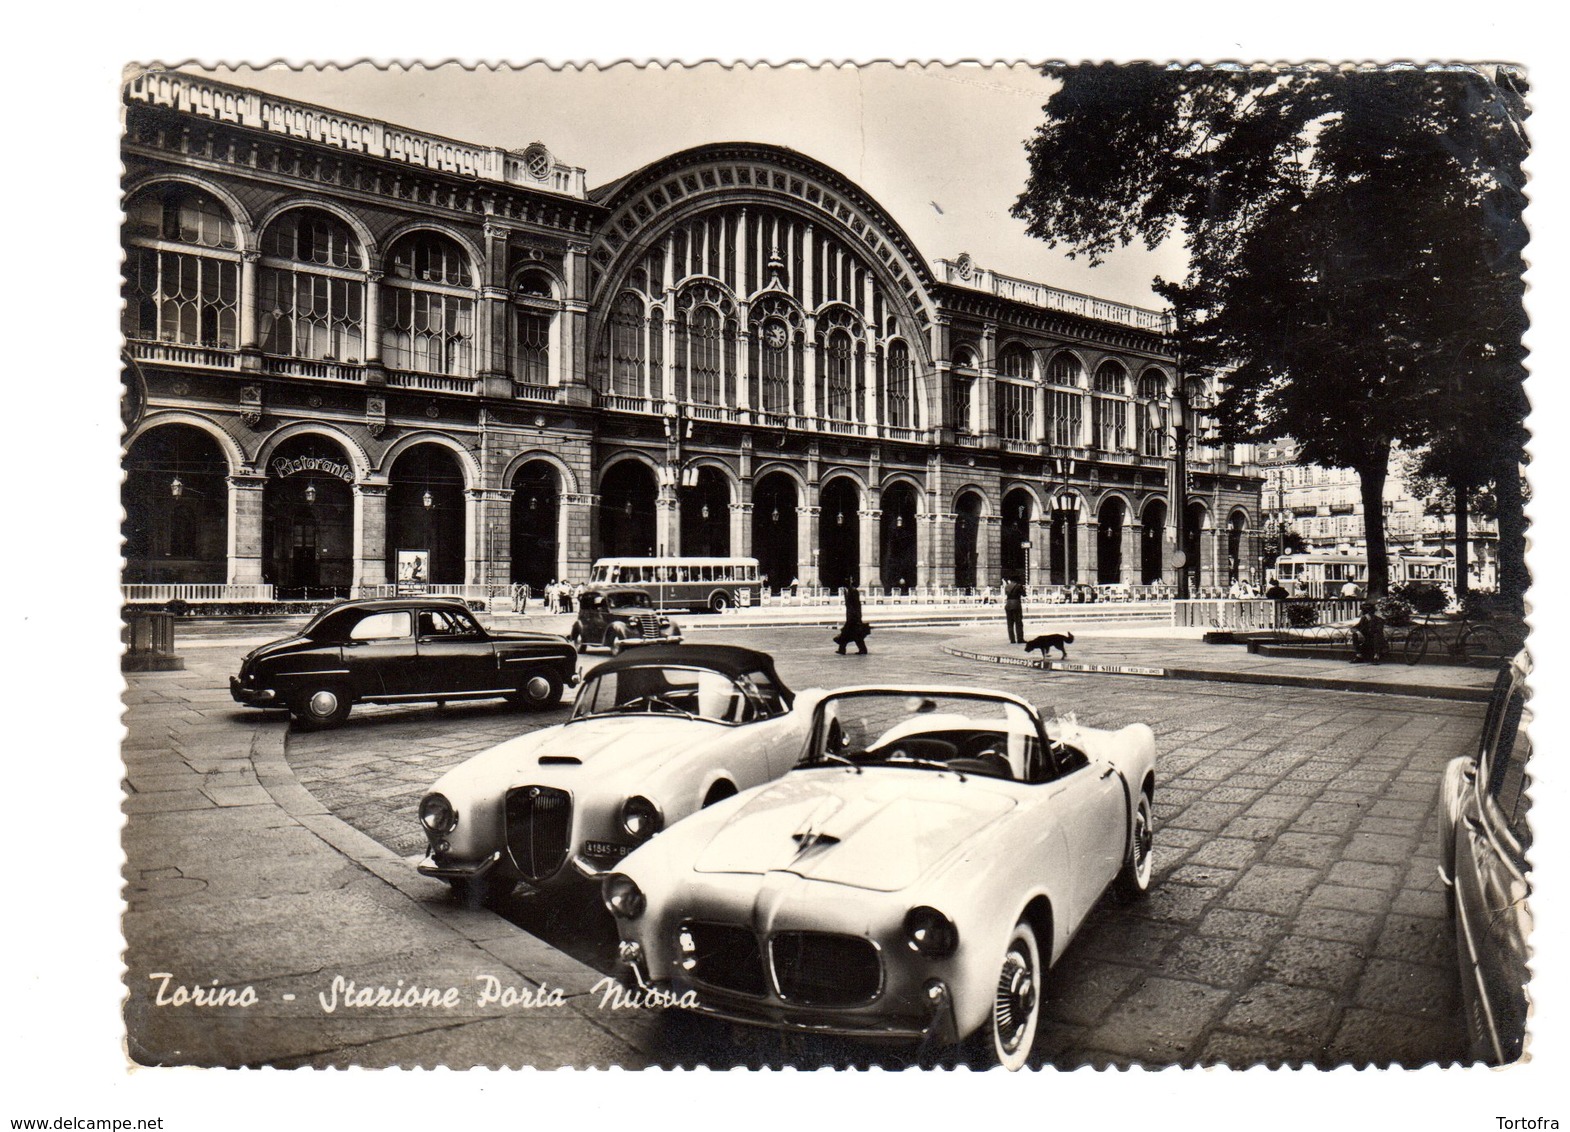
(1263, 613)
(469, 591)
(433, 382)
(144, 592)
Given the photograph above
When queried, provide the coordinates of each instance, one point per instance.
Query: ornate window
(1014, 363)
(1109, 411)
(707, 380)
(533, 318)
(311, 288)
(627, 346)
(1016, 410)
(1065, 369)
(900, 412)
(839, 385)
(428, 307)
(1065, 424)
(182, 270)
(962, 384)
(1157, 414)
(776, 353)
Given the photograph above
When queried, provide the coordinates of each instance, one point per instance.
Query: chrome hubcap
(1015, 1001)
(537, 687)
(324, 703)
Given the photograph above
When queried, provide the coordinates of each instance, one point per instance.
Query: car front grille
(821, 969)
(723, 956)
(539, 829)
(646, 625)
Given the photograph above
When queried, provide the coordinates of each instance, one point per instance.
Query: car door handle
(1108, 773)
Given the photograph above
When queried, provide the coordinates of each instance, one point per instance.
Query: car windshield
(625, 598)
(982, 735)
(664, 689)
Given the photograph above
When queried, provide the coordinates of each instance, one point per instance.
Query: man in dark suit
(855, 630)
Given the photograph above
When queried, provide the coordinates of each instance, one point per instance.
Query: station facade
(345, 339)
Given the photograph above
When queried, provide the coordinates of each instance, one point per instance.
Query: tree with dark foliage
(1354, 239)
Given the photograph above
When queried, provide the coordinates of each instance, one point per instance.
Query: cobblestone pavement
(1296, 914)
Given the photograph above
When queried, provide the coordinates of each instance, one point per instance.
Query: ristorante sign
(282, 467)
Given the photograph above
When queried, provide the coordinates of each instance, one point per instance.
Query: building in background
(1324, 508)
(347, 341)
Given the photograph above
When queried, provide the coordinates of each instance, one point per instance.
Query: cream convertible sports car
(654, 735)
(913, 878)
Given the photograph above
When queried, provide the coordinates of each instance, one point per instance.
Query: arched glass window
(900, 407)
(1109, 410)
(533, 316)
(839, 384)
(1065, 369)
(961, 385)
(311, 288)
(1014, 363)
(428, 307)
(1065, 406)
(1157, 413)
(182, 269)
(707, 375)
(774, 357)
(627, 346)
(1016, 396)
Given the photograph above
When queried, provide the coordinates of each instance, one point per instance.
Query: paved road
(1296, 915)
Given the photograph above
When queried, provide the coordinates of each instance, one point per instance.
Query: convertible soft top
(732, 660)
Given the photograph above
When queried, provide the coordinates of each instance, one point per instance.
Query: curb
(1221, 676)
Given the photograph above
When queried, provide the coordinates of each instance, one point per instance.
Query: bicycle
(1474, 641)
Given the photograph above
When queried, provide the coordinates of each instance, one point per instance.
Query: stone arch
(842, 496)
(1052, 353)
(894, 478)
(363, 465)
(245, 228)
(569, 478)
(842, 471)
(174, 500)
(901, 506)
(238, 461)
(773, 466)
(466, 460)
(1114, 517)
(970, 507)
(470, 248)
(368, 242)
(1017, 530)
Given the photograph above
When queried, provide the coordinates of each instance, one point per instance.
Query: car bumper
(938, 1027)
(459, 870)
(634, 642)
(252, 697)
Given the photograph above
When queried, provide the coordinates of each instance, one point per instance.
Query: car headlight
(641, 818)
(931, 932)
(622, 896)
(437, 815)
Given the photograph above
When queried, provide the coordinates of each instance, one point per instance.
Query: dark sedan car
(399, 650)
(1484, 839)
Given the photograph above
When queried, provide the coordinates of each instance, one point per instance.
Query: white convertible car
(654, 736)
(915, 876)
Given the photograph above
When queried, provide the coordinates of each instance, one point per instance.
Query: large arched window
(961, 385)
(839, 383)
(311, 288)
(1065, 406)
(182, 269)
(428, 307)
(533, 321)
(1109, 408)
(627, 346)
(901, 407)
(1016, 394)
(707, 381)
(1157, 413)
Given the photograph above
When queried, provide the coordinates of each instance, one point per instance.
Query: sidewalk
(237, 877)
(1138, 652)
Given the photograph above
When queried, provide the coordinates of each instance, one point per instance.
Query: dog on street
(1048, 641)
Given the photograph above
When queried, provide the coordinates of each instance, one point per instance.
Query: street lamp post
(1180, 472)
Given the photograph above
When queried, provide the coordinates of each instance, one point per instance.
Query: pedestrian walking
(1014, 610)
(855, 630)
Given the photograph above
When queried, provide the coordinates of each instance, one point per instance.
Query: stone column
(573, 321)
(248, 300)
(373, 318)
(868, 536)
(1131, 549)
(370, 533)
(246, 518)
(667, 522)
(741, 530)
(1085, 564)
(989, 549)
(490, 537)
(575, 534)
(807, 544)
(985, 403)
(1041, 547)
(928, 540)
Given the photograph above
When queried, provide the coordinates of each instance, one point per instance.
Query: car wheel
(719, 602)
(1134, 879)
(718, 793)
(320, 708)
(1009, 1032)
(476, 892)
(615, 641)
(541, 691)
(578, 641)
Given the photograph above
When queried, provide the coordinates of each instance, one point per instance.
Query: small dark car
(618, 619)
(398, 650)
(1484, 837)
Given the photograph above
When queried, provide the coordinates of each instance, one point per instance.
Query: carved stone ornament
(251, 405)
(375, 415)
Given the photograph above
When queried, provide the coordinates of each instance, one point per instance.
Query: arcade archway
(967, 537)
(839, 537)
(774, 529)
(308, 518)
(1109, 541)
(1152, 543)
(1018, 511)
(426, 512)
(536, 502)
(705, 516)
(176, 501)
(627, 501)
(897, 536)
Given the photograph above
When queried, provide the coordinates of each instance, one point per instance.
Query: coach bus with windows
(716, 584)
(1324, 573)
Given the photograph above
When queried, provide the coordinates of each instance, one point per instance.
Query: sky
(941, 148)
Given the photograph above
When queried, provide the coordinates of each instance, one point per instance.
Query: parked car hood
(611, 746)
(881, 829)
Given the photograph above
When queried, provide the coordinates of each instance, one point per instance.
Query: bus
(1325, 572)
(716, 584)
